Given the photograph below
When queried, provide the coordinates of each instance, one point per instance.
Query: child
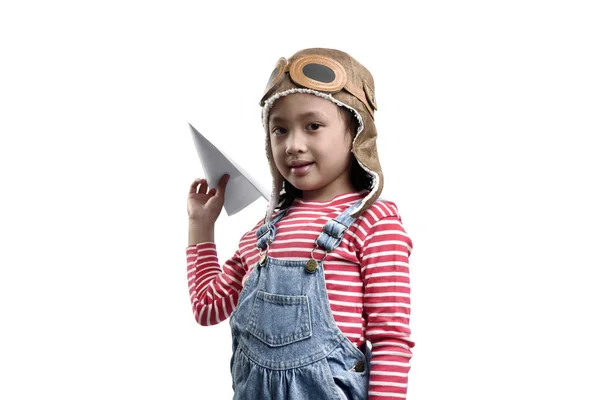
(326, 272)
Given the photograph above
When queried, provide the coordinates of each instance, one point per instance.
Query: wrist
(200, 232)
(200, 222)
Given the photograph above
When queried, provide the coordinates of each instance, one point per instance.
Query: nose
(296, 142)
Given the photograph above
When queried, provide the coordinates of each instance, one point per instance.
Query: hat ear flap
(370, 93)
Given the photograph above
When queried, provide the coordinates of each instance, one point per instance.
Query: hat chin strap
(277, 186)
(278, 178)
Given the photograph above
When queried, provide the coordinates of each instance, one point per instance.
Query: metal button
(311, 265)
(359, 367)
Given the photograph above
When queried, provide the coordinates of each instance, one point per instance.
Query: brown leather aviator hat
(335, 76)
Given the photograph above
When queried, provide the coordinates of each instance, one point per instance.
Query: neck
(327, 193)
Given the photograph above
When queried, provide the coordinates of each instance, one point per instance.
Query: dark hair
(360, 179)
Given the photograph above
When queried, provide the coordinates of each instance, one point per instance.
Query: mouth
(300, 168)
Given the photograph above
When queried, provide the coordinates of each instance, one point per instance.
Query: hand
(204, 207)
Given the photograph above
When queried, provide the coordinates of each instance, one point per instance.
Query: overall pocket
(277, 320)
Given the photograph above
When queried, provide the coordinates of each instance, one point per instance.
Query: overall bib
(286, 344)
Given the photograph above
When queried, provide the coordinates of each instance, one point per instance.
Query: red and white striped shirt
(367, 280)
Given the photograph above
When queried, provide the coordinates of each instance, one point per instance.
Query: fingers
(222, 185)
(203, 186)
(223, 181)
(194, 186)
(194, 189)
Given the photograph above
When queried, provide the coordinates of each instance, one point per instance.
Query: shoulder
(382, 219)
(381, 209)
(249, 238)
(253, 231)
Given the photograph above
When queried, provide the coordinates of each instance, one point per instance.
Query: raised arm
(213, 291)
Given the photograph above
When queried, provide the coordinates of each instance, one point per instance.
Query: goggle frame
(318, 64)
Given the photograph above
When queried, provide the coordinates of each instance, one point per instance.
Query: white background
(488, 123)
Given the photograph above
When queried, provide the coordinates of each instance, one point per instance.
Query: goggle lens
(318, 72)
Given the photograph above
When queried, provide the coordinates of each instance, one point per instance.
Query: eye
(278, 131)
(314, 126)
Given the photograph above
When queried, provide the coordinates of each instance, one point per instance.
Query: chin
(301, 184)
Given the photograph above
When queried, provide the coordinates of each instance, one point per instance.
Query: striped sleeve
(214, 292)
(384, 265)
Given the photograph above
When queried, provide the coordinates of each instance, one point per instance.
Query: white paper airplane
(242, 189)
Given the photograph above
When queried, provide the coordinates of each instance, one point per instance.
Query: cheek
(348, 139)
(341, 144)
(278, 152)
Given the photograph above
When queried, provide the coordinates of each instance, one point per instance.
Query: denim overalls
(286, 344)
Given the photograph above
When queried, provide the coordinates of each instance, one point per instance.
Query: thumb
(222, 185)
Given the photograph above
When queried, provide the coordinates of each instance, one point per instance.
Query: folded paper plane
(242, 189)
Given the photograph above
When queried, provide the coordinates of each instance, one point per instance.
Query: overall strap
(333, 231)
(266, 233)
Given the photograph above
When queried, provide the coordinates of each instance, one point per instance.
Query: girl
(318, 292)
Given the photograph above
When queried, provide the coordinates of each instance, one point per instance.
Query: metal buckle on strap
(312, 264)
(262, 255)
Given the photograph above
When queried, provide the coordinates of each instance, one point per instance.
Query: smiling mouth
(301, 169)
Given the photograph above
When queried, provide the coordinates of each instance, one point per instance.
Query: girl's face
(311, 145)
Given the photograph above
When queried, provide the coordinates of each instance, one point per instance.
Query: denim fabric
(266, 233)
(334, 229)
(286, 344)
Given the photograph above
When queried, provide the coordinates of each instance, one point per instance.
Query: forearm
(200, 232)
(213, 290)
(390, 366)
(384, 259)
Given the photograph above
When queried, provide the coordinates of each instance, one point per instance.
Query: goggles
(319, 73)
